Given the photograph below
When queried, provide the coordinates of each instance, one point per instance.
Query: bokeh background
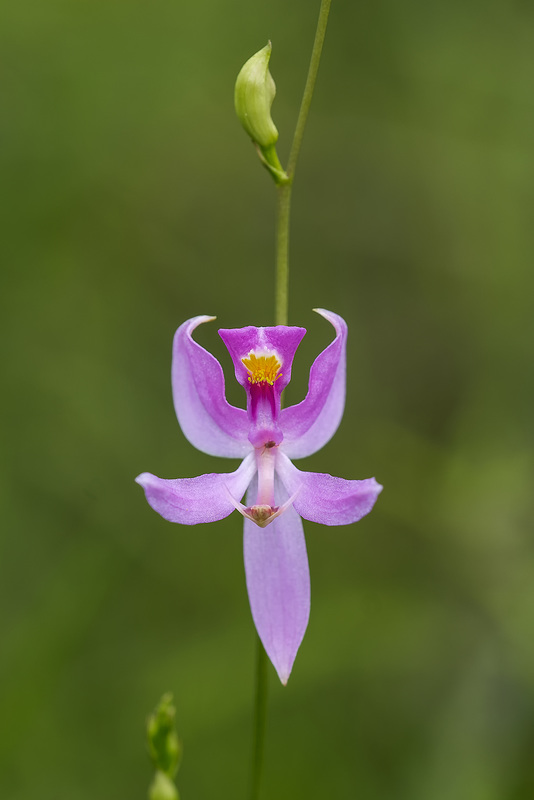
(132, 200)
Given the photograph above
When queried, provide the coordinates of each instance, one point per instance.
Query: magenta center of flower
(263, 397)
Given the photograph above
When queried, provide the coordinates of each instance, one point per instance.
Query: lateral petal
(204, 499)
(208, 421)
(309, 425)
(325, 499)
(278, 583)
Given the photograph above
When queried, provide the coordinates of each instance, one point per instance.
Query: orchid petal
(309, 425)
(278, 583)
(208, 421)
(204, 499)
(325, 499)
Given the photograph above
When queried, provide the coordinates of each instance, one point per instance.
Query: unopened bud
(163, 743)
(254, 95)
(162, 788)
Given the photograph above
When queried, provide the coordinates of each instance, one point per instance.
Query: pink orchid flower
(266, 437)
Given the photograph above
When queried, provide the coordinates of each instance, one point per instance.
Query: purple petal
(322, 498)
(209, 422)
(203, 499)
(310, 424)
(278, 583)
(283, 340)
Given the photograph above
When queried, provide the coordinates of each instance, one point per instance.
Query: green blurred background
(132, 200)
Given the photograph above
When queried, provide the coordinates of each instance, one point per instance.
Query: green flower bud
(254, 95)
(163, 743)
(162, 788)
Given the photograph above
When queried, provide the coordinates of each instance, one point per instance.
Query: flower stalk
(284, 190)
(260, 719)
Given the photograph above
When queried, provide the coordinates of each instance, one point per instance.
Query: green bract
(254, 94)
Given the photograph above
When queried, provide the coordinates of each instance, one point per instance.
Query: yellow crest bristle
(262, 369)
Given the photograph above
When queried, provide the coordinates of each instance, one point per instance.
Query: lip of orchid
(266, 438)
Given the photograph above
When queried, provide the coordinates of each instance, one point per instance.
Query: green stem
(260, 719)
(284, 190)
(313, 69)
(281, 299)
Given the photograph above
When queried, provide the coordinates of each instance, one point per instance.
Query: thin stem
(313, 69)
(281, 300)
(260, 719)
(284, 190)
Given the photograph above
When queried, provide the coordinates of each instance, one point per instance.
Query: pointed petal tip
(329, 315)
(142, 478)
(204, 318)
(190, 324)
(322, 311)
(375, 489)
(378, 486)
(334, 319)
(283, 672)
